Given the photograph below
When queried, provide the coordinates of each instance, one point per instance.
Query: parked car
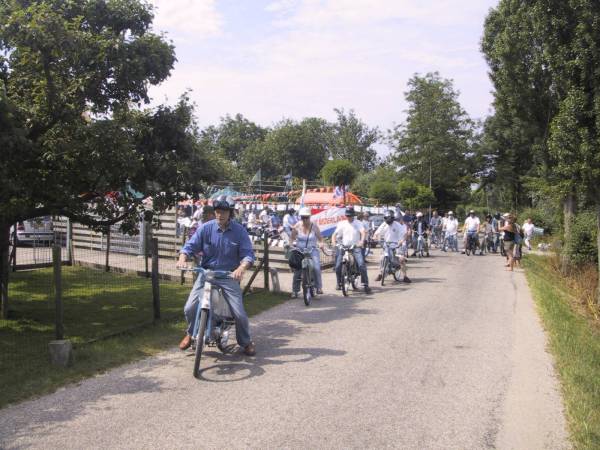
(35, 231)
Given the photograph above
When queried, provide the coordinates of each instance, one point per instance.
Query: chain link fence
(106, 283)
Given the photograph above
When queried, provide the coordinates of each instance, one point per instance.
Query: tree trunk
(568, 214)
(598, 239)
(4, 269)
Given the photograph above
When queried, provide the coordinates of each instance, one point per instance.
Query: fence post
(266, 259)
(56, 262)
(155, 285)
(61, 350)
(13, 254)
(69, 241)
(106, 264)
(147, 230)
(4, 283)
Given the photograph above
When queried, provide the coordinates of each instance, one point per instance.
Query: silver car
(35, 231)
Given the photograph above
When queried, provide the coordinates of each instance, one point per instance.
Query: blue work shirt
(221, 250)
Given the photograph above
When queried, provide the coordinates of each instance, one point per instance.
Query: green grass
(107, 316)
(575, 343)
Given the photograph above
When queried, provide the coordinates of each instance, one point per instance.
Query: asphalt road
(456, 360)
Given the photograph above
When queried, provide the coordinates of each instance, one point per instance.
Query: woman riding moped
(307, 235)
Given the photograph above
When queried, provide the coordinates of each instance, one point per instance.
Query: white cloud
(318, 55)
(195, 19)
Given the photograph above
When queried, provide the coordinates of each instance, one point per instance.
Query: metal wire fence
(106, 283)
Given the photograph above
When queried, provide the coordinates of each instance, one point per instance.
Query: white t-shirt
(472, 224)
(528, 229)
(264, 216)
(395, 232)
(348, 233)
(251, 219)
(289, 220)
(451, 226)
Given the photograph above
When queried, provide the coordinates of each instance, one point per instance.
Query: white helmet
(450, 213)
(419, 214)
(304, 212)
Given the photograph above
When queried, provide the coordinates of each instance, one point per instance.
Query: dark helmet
(350, 211)
(224, 202)
(291, 211)
(389, 216)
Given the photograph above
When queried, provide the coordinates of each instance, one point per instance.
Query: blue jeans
(360, 262)
(316, 258)
(233, 296)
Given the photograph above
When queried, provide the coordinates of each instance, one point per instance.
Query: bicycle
(308, 277)
(488, 243)
(501, 244)
(213, 317)
(420, 249)
(389, 264)
(436, 237)
(472, 240)
(349, 269)
(450, 242)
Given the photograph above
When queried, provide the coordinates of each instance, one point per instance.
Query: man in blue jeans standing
(224, 245)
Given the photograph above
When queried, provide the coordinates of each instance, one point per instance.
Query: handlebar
(208, 273)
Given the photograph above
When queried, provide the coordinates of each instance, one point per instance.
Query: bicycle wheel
(200, 341)
(345, 280)
(353, 282)
(307, 291)
(398, 274)
(384, 269)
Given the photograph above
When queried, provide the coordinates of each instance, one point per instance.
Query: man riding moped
(225, 246)
(392, 232)
(350, 233)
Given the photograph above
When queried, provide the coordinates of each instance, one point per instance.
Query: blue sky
(275, 59)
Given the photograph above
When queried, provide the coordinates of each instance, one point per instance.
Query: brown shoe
(185, 343)
(250, 349)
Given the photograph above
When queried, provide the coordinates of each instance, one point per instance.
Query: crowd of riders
(219, 239)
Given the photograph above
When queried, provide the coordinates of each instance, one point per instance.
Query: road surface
(455, 360)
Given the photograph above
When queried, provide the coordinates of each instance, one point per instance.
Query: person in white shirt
(289, 221)
(528, 231)
(263, 217)
(252, 219)
(471, 229)
(394, 233)
(450, 229)
(349, 233)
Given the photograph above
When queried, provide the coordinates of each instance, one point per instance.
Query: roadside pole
(155, 284)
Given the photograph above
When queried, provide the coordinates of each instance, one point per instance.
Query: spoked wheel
(353, 282)
(200, 341)
(307, 289)
(384, 270)
(468, 249)
(398, 274)
(345, 280)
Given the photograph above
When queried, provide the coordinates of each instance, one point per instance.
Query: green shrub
(581, 245)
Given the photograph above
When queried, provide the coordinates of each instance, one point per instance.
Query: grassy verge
(96, 305)
(575, 343)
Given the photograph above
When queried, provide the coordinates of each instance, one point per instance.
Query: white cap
(419, 214)
(304, 212)
(450, 213)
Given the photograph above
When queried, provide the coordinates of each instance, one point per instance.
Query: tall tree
(353, 140)
(233, 136)
(525, 99)
(297, 147)
(71, 77)
(433, 145)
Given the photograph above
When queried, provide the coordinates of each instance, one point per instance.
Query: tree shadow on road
(272, 340)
